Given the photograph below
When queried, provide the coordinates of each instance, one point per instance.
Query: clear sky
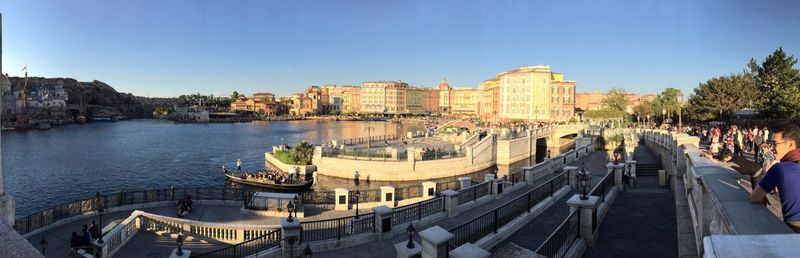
(168, 48)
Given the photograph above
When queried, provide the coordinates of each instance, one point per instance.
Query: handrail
(255, 245)
(479, 231)
(558, 243)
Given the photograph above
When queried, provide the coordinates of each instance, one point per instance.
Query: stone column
(571, 171)
(489, 177)
(434, 242)
(404, 252)
(383, 220)
(387, 196)
(469, 250)
(465, 182)
(290, 232)
(429, 189)
(341, 196)
(450, 202)
(586, 209)
(618, 170)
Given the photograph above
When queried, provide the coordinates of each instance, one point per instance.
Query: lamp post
(43, 243)
(180, 244)
(583, 180)
(357, 181)
(410, 231)
(100, 211)
(369, 129)
(290, 208)
(307, 251)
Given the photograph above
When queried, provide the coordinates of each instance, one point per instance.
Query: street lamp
(410, 231)
(100, 211)
(583, 180)
(290, 208)
(43, 244)
(307, 251)
(357, 180)
(180, 244)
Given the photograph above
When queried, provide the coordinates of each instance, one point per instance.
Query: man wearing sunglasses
(785, 176)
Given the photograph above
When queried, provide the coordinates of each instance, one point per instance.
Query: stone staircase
(648, 169)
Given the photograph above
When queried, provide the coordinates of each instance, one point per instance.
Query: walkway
(386, 249)
(145, 243)
(528, 238)
(641, 222)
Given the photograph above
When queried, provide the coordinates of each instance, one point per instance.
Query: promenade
(146, 244)
(385, 248)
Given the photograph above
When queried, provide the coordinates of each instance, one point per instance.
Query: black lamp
(290, 208)
(307, 251)
(583, 179)
(100, 211)
(358, 196)
(410, 230)
(180, 244)
(43, 244)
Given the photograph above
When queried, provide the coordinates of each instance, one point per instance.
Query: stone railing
(718, 205)
(138, 221)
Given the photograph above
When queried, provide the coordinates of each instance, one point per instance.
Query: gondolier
(239, 165)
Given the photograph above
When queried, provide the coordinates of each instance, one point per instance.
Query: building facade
(465, 101)
(375, 97)
(534, 93)
(490, 99)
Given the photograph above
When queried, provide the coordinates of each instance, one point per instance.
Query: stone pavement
(148, 244)
(641, 222)
(533, 234)
(386, 249)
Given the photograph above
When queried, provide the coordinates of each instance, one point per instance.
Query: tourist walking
(785, 176)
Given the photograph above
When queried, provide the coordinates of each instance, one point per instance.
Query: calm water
(45, 168)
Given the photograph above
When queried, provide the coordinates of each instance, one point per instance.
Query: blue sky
(168, 48)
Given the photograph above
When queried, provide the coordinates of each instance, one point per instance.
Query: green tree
(779, 84)
(303, 153)
(644, 110)
(718, 97)
(234, 95)
(615, 100)
(261, 112)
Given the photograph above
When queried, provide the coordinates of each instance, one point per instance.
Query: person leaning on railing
(785, 176)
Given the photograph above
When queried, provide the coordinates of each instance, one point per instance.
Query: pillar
(428, 189)
(383, 220)
(489, 177)
(341, 199)
(618, 170)
(586, 208)
(434, 242)
(465, 182)
(450, 202)
(387, 196)
(290, 232)
(469, 250)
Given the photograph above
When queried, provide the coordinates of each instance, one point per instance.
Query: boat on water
(289, 187)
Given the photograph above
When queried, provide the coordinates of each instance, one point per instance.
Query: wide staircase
(648, 169)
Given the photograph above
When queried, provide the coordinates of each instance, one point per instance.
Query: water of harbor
(50, 167)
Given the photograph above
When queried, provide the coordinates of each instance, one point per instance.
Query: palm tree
(303, 153)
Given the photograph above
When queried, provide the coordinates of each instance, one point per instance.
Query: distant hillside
(92, 93)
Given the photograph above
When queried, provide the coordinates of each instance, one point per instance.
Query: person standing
(785, 176)
(238, 165)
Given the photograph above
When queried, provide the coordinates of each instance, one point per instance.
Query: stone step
(512, 250)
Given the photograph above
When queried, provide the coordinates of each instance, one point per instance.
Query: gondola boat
(267, 184)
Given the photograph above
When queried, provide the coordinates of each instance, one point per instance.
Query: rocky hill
(99, 97)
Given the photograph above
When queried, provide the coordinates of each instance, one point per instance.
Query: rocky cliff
(98, 96)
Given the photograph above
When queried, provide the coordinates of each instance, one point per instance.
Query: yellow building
(490, 100)
(351, 100)
(418, 100)
(444, 96)
(465, 101)
(534, 93)
(257, 102)
(377, 97)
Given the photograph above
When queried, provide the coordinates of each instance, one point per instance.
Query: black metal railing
(491, 221)
(559, 242)
(517, 177)
(408, 192)
(417, 211)
(48, 216)
(252, 246)
(318, 197)
(365, 195)
(602, 188)
(355, 154)
(474, 192)
(337, 228)
(372, 139)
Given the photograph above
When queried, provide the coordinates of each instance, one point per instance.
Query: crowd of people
(267, 176)
(89, 234)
